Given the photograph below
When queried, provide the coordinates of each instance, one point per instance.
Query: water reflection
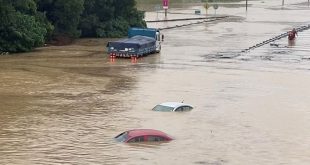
(291, 43)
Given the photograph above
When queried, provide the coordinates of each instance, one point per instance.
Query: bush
(19, 32)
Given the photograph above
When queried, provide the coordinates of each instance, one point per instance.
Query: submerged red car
(142, 135)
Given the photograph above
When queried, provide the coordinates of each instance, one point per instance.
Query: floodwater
(64, 105)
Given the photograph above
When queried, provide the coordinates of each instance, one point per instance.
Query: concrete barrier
(182, 25)
(187, 19)
(278, 37)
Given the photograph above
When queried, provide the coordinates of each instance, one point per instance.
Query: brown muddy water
(64, 105)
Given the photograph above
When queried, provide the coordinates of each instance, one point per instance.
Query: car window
(122, 137)
(136, 139)
(179, 109)
(155, 138)
(162, 108)
(184, 108)
(187, 108)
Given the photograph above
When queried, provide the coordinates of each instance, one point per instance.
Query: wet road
(63, 106)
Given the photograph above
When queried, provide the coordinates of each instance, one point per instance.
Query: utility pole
(246, 5)
(282, 2)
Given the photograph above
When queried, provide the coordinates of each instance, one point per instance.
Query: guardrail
(283, 35)
(209, 19)
(186, 19)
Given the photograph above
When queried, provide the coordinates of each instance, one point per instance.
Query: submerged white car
(172, 107)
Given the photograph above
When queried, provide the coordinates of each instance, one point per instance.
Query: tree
(19, 32)
(110, 18)
(64, 15)
(26, 24)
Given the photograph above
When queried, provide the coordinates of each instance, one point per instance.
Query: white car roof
(174, 104)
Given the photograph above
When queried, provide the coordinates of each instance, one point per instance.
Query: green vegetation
(22, 27)
(64, 15)
(110, 18)
(26, 24)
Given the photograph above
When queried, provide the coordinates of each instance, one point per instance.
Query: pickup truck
(140, 42)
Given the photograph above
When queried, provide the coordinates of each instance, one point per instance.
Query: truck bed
(136, 46)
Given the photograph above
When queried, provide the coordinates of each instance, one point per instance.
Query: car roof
(174, 104)
(144, 132)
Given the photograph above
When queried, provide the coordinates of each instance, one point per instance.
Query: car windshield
(162, 108)
(122, 137)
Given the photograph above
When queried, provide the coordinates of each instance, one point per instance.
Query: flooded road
(64, 105)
